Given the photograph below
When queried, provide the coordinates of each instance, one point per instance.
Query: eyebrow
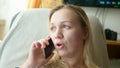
(62, 22)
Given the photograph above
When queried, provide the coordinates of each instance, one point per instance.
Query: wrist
(28, 64)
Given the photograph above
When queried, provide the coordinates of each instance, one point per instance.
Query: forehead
(64, 14)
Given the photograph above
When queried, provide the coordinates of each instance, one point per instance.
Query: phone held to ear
(49, 49)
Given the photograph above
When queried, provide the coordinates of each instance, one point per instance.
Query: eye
(67, 26)
(53, 28)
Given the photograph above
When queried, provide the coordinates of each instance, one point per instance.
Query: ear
(86, 33)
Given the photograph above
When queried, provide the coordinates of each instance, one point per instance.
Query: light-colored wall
(109, 17)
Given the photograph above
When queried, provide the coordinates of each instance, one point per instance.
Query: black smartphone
(49, 49)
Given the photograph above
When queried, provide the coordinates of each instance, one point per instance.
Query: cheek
(52, 37)
(75, 38)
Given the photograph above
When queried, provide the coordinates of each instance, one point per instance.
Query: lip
(59, 46)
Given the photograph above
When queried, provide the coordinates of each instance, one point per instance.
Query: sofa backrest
(28, 26)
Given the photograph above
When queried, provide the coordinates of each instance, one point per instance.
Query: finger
(36, 44)
(33, 45)
(43, 43)
(48, 37)
(46, 41)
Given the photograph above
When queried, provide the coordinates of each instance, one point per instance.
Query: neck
(77, 62)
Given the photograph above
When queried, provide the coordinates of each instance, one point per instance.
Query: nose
(58, 34)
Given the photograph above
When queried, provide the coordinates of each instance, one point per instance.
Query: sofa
(32, 24)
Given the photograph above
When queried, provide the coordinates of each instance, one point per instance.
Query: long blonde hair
(84, 22)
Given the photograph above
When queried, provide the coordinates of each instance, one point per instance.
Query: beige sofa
(30, 25)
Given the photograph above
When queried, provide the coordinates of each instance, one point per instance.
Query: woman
(71, 35)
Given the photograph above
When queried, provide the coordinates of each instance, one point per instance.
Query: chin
(62, 54)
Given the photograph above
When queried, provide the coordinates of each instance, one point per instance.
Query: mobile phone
(49, 48)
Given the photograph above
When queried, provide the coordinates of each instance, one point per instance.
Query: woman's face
(66, 33)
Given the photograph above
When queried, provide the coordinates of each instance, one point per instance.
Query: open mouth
(59, 46)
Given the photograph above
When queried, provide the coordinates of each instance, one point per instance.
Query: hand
(36, 57)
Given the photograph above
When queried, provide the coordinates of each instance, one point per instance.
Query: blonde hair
(84, 22)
